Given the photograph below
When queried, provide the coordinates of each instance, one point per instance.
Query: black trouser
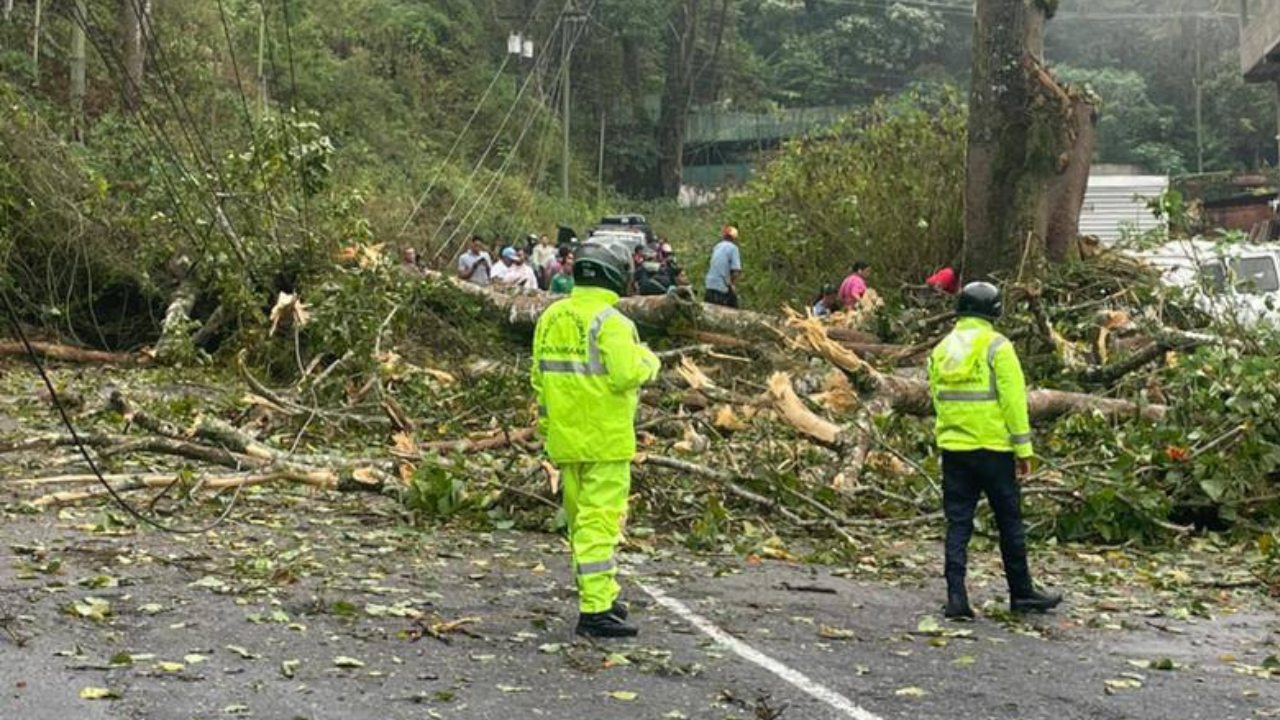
(966, 475)
(728, 299)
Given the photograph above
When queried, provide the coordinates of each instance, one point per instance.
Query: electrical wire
(489, 194)
(457, 141)
(16, 322)
(293, 108)
(475, 171)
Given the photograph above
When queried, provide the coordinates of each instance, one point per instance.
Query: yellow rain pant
(595, 499)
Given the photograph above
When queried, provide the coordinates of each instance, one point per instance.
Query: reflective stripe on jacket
(588, 366)
(978, 391)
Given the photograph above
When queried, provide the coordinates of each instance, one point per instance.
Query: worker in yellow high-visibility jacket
(588, 366)
(984, 433)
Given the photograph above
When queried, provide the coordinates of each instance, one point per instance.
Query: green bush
(885, 185)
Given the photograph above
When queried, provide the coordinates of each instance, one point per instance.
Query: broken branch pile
(781, 423)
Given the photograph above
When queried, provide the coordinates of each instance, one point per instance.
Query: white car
(1234, 282)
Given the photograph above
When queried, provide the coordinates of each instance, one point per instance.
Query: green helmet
(603, 265)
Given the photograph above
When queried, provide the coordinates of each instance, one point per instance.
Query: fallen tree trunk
(67, 353)
(677, 310)
(911, 395)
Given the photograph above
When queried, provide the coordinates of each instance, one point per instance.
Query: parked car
(628, 223)
(1237, 282)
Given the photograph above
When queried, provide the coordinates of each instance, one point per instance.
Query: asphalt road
(350, 617)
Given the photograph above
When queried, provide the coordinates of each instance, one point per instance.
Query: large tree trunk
(1067, 190)
(78, 70)
(910, 395)
(677, 93)
(1025, 140)
(668, 313)
(134, 15)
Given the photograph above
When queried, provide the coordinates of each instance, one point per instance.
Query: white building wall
(1114, 203)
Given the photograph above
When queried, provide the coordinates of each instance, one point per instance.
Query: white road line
(799, 680)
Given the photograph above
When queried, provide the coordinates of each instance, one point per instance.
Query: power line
(457, 141)
(16, 322)
(293, 108)
(496, 136)
(489, 194)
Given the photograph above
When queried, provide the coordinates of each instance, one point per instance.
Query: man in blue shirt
(725, 269)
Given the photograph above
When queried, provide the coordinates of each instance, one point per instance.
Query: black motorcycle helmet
(599, 265)
(980, 300)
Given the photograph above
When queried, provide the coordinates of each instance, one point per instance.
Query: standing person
(980, 398)
(475, 263)
(588, 366)
(553, 268)
(562, 279)
(543, 254)
(725, 270)
(854, 286)
(827, 303)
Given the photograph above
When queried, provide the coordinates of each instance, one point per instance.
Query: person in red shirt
(945, 281)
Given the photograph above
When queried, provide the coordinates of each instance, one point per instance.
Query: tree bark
(677, 94)
(133, 17)
(910, 395)
(1067, 190)
(35, 44)
(78, 70)
(1025, 139)
(672, 312)
(66, 353)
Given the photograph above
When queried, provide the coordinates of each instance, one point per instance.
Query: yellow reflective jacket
(588, 366)
(978, 391)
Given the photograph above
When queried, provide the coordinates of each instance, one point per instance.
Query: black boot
(604, 625)
(1034, 601)
(958, 605)
(620, 609)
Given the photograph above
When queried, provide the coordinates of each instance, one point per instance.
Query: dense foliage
(885, 186)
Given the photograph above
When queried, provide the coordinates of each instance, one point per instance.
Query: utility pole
(600, 162)
(1199, 102)
(571, 19)
(35, 47)
(1278, 122)
(262, 61)
(78, 71)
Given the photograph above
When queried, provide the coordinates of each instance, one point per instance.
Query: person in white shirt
(505, 262)
(520, 275)
(543, 254)
(474, 265)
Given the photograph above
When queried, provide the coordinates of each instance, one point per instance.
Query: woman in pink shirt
(854, 286)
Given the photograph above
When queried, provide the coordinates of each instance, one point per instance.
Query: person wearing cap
(588, 367)
(984, 433)
(506, 260)
(827, 302)
(725, 269)
(519, 274)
